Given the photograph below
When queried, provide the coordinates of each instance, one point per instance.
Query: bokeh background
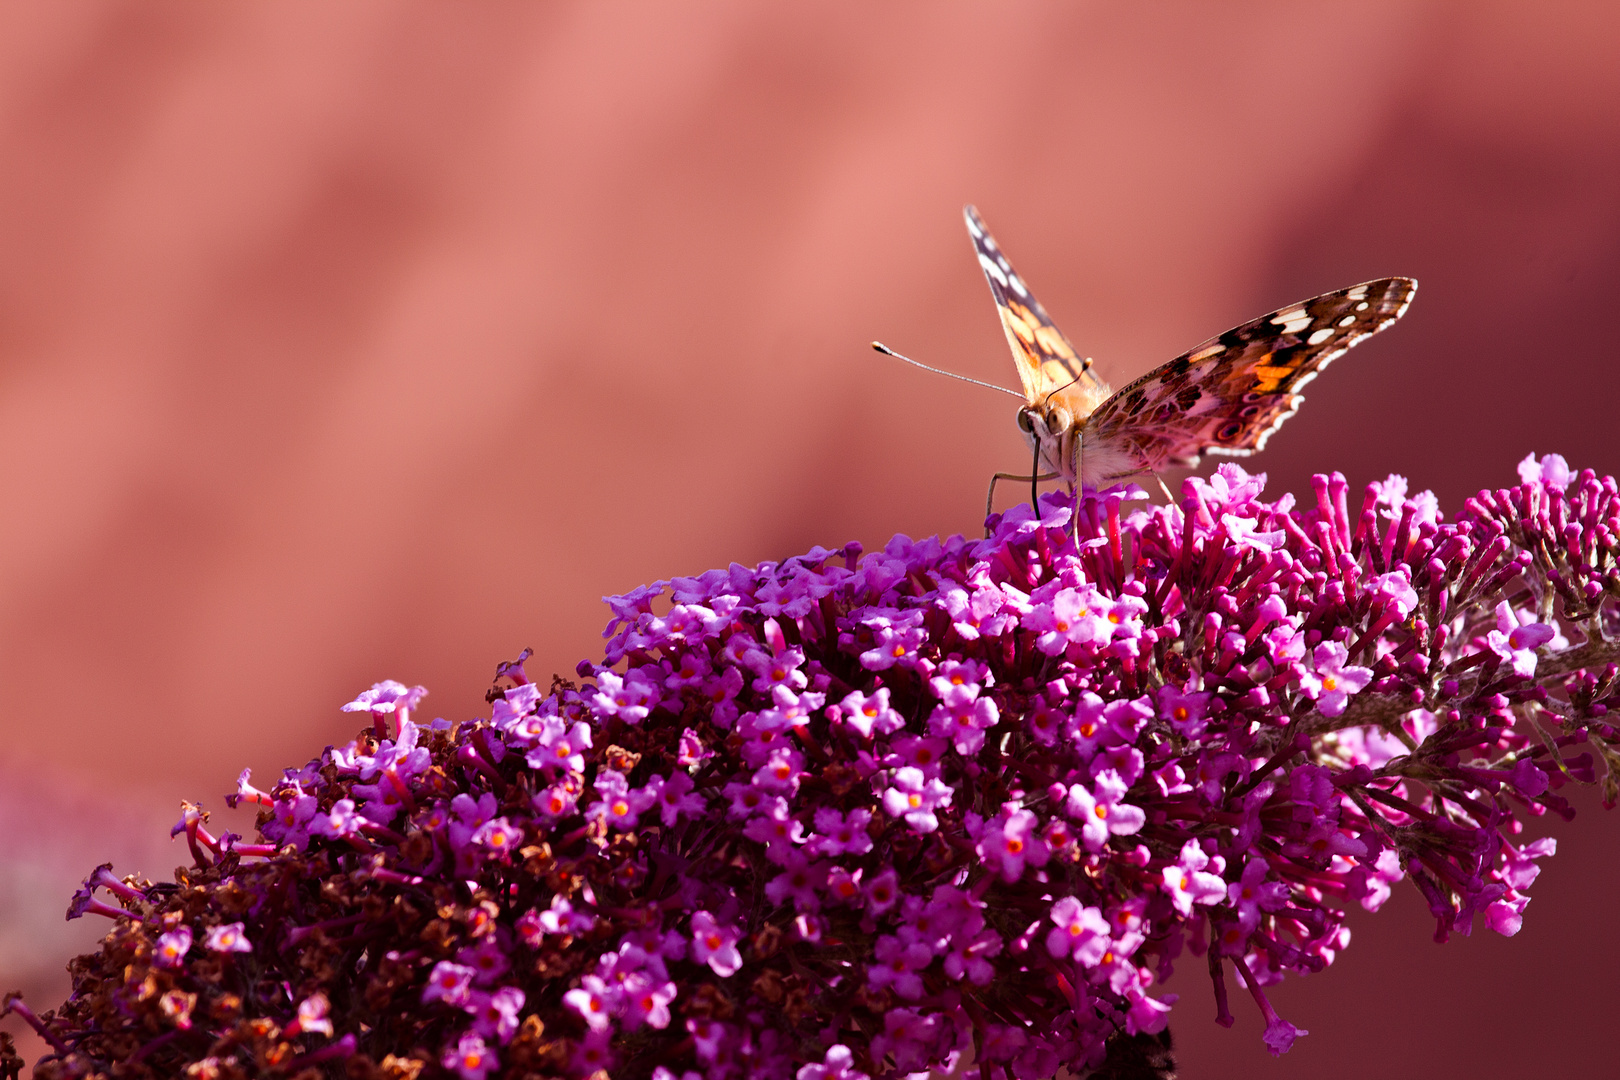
(380, 339)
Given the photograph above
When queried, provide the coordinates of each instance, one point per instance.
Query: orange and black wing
(1047, 364)
(1228, 395)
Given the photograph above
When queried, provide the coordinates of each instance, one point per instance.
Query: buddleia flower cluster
(956, 801)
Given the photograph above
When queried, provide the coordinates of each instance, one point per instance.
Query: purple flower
(1081, 932)
(1185, 711)
(229, 938)
(1252, 894)
(172, 947)
(714, 944)
(1186, 881)
(628, 697)
(590, 1000)
(620, 806)
(675, 797)
(470, 1058)
(557, 745)
(1332, 681)
(449, 983)
(386, 697)
(311, 1016)
(1009, 842)
(964, 719)
(498, 837)
(897, 966)
(914, 797)
(1154, 706)
(1552, 471)
(339, 823)
(646, 1000)
(842, 834)
(1100, 813)
(1516, 639)
(291, 816)
(1071, 617)
(838, 1064)
(487, 960)
(799, 882)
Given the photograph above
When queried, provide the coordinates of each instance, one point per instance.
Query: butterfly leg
(990, 498)
(1170, 500)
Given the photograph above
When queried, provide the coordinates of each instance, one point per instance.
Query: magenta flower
(1252, 895)
(172, 947)
(1187, 882)
(898, 962)
(229, 938)
(714, 944)
(449, 983)
(311, 1017)
(1009, 841)
(1184, 711)
(470, 1058)
(863, 803)
(591, 1001)
(1081, 934)
(1516, 639)
(1099, 811)
(1331, 680)
(837, 1065)
(915, 797)
(387, 697)
(838, 833)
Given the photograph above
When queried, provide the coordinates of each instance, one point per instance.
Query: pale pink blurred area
(381, 339)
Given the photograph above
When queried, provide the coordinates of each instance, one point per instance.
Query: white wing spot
(1347, 320)
(1205, 354)
(1319, 336)
(1293, 314)
(1362, 306)
(1017, 286)
(992, 270)
(1357, 293)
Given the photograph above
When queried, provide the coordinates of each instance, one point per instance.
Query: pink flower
(915, 798)
(590, 1001)
(227, 939)
(1516, 639)
(1332, 681)
(1100, 813)
(715, 945)
(1081, 933)
(1187, 883)
(1009, 841)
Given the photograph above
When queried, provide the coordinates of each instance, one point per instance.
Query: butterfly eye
(1059, 419)
(1026, 423)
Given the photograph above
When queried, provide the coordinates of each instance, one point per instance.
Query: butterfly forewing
(1228, 395)
(1047, 363)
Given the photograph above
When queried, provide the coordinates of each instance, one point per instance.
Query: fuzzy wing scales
(1047, 364)
(1228, 395)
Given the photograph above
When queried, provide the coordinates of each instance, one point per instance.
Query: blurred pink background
(345, 342)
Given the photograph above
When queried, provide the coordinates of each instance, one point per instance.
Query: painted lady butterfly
(1225, 397)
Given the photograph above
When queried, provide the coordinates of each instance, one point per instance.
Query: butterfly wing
(1228, 395)
(1047, 364)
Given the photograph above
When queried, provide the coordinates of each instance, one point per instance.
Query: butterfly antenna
(886, 351)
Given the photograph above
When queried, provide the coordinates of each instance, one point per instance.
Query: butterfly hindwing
(1047, 364)
(1228, 395)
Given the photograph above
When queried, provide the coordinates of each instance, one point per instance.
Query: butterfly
(1226, 396)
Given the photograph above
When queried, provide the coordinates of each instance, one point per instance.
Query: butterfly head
(1051, 429)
